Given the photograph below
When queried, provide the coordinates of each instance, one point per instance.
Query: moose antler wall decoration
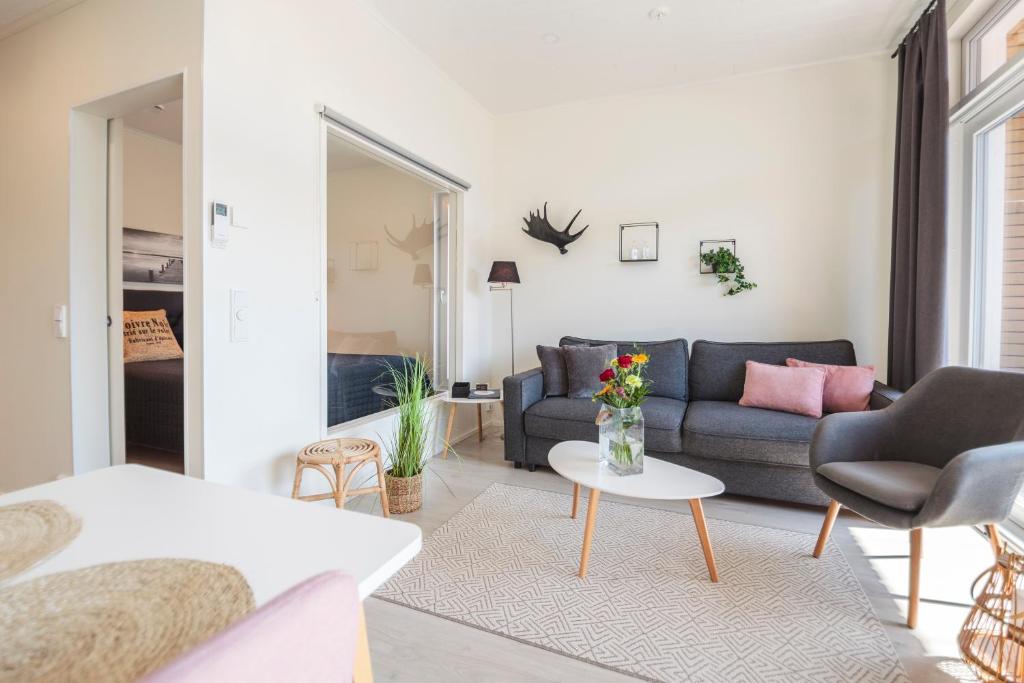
(419, 238)
(538, 227)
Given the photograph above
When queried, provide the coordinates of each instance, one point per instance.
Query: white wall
(92, 50)
(361, 202)
(152, 182)
(267, 65)
(796, 165)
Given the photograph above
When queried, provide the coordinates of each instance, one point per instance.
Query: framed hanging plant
(723, 263)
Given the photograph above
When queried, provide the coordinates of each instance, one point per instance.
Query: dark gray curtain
(917, 301)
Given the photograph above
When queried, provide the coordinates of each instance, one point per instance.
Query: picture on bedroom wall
(152, 257)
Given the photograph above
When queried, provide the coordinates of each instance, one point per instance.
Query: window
(998, 300)
(994, 41)
(388, 251)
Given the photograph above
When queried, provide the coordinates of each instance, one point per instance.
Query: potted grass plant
(409, 444)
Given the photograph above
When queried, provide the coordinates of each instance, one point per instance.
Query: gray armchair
(950, 452)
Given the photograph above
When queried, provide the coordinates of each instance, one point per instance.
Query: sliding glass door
(387, 283)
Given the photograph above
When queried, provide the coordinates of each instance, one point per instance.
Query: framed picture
(708, 246)
(364, 256)
(638, 242)
(151, 260)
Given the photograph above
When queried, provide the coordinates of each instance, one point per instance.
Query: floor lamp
(503, 274)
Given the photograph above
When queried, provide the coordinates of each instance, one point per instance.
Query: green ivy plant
(724, 263)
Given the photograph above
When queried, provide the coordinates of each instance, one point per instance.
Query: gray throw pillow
(584, 364)
(552, 365)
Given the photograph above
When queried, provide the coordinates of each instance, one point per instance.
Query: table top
(130, 512)
(578, 462)
(451, 399)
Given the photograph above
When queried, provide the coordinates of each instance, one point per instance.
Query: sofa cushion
(724, 430)
(901, 485)
(667, 368)
(572, 419)
(584, 365)
(552, 366)
(717, 369)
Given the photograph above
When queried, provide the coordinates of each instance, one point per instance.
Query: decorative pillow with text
(148, 336)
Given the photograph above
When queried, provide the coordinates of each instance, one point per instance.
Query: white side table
(455, 403)
(578, 462)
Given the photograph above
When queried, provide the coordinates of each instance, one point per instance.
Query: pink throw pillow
(777, 387)
(847, 387)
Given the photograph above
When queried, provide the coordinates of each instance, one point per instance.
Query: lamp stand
(511, 322)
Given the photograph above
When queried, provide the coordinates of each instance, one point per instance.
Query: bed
(154, 390)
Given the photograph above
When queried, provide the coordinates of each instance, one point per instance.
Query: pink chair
(313, 632)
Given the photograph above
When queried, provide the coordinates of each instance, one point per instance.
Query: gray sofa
(692, 416)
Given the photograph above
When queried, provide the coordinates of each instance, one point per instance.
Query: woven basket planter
(405, 494)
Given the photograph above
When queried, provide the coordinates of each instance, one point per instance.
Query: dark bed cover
(351, 378)
(154, 404)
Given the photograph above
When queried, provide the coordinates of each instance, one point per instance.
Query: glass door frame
(449, 287)
(969, 255)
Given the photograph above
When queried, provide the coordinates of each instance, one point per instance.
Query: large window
(998, 299)
(387, 258)
(993, 195)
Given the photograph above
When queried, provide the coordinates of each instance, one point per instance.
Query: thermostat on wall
(219, 223)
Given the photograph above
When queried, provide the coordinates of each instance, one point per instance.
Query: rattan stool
(338, 453)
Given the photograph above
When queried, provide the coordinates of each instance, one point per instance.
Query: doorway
(145, 212)
(130, 279)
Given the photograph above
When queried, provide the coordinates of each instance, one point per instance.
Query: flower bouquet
(621, 421)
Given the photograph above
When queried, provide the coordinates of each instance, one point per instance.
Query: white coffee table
(578, 462)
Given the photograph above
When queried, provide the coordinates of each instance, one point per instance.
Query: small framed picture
(638, 242)
(364, 256)
(708, 246)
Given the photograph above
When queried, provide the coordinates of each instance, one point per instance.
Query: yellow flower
(634, 381)
(605, 390)
(615, 362)
(641, 358)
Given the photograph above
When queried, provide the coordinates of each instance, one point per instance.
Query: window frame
(326, 127)
(970, 46)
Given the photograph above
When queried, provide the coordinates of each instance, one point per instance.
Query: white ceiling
(165, 123)
(497, 51)
(17, 15)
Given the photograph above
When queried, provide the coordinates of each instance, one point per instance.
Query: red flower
(607, 375)
(625, 361)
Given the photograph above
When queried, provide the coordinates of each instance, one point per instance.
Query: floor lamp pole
(512, 329)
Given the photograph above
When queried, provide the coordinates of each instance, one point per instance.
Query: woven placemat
(114, 622)
(32, 531)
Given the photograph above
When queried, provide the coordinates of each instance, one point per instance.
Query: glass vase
(621, 439)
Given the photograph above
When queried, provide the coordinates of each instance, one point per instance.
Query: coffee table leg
(575, 499)
(702, 531)
(588, 530)
(448, 431)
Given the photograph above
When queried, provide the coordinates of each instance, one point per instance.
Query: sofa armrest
(883, 396)
(851, 437)
(978, 486)
(519, 393)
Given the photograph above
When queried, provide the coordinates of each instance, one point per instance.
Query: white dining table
(130, 512)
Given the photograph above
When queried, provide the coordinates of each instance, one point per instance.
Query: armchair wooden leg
(994, 540)
(826, 527)
(915, 577)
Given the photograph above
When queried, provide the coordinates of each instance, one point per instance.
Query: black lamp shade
(503, 272)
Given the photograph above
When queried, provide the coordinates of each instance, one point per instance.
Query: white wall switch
(219, 224)
(60, 321)
(239, 315)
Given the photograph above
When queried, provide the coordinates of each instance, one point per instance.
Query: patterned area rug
(507, 562)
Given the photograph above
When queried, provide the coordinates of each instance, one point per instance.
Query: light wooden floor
(411, 646)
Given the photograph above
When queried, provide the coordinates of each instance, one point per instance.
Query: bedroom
(145, 156)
